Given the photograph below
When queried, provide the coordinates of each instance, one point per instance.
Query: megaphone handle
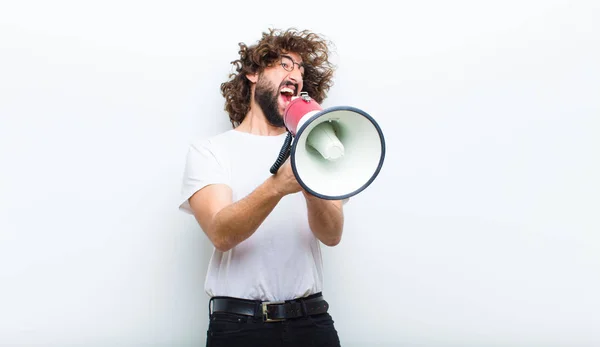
(283, 153)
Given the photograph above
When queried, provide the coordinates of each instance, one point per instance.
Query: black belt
(271, 311)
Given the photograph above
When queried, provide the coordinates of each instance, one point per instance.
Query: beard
(266, 96)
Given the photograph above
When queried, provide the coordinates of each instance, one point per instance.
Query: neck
(256, 123)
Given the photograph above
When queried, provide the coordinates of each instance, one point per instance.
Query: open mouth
(286, 95)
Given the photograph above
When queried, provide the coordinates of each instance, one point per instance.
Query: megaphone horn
(336, 152)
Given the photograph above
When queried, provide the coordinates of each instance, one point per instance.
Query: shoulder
(214, 141)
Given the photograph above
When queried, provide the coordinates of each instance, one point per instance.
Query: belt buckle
(265, 312)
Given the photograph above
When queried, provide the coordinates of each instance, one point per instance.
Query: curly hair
(314, 50)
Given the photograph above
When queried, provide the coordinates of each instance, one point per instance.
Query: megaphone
(336, 152)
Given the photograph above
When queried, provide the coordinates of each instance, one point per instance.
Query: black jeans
(232, 330)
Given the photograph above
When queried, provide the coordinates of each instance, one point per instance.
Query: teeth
(287, 91)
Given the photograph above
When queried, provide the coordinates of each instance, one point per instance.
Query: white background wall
(481, 230)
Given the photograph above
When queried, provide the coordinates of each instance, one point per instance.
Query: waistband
(270, 311)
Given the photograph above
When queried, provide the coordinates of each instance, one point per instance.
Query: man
(265, 228)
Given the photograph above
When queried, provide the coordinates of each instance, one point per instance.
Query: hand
(285, 181)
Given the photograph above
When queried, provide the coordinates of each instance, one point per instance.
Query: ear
(252, 77)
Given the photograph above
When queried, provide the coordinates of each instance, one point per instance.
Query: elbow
(329, 236)
(221, 245)
(332, 241)
(217, 238)
(221, 248)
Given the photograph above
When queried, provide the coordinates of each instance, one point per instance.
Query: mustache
(289, 84)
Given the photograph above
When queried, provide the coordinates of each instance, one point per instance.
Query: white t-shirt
(282, 259)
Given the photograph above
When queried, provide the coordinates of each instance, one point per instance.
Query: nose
(296, 77)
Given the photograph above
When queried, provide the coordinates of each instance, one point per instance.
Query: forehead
(295, 56)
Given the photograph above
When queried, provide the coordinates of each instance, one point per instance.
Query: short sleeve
(202, 168)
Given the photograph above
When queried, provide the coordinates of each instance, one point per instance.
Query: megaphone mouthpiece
(323, 139)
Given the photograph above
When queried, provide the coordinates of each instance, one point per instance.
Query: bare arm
(226, 223)
(325, 218)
